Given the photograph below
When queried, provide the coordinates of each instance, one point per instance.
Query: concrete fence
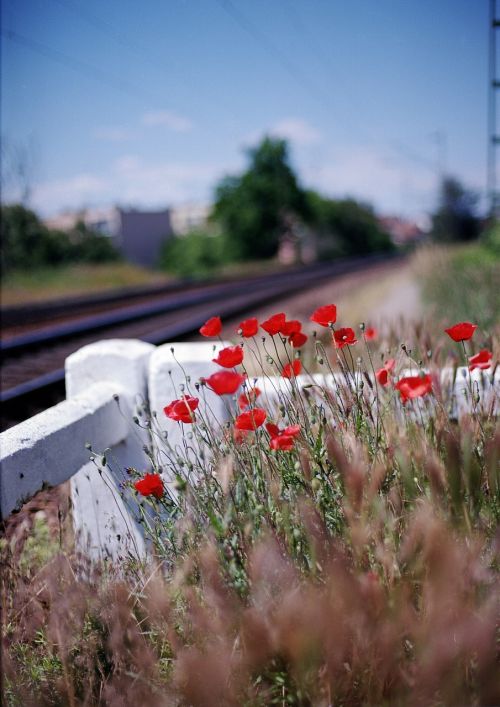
(108, 384)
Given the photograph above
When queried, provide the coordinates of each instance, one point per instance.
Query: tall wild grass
(347, 555)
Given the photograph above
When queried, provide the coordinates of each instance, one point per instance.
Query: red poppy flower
(371, 333)
(297, 340)
(292, 369)
(212, 327)
(150, 485)
(239, 436)
(229, 357)
(325, 315)
(251, 419)
(182, 410)
(290, 431)
(224, 382)
(291, 327)
(414, 387)
(382, 374)
(481, 360)
(249, 327)
(274, 324)
(282, 439)
(344, 337)
(462, 331)
(284, 443)
(248, 398)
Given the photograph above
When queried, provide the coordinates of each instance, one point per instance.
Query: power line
(77, 65)
(324, 61)
(493, 137)
(293, 69)
(108, 29)
(300, 77)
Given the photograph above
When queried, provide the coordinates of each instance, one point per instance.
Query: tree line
(27, 243)
(257, 211)
(254, 214)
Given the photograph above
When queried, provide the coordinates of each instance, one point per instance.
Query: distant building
(138, 235)
(402, 231)
(187, 217)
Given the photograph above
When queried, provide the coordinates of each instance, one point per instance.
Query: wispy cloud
(113, 134)
(167, 119)
(369, 175)
(296, 130)
(132, 181)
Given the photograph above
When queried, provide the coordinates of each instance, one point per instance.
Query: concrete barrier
(111, 383)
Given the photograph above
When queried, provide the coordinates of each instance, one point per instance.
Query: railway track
(33, 361)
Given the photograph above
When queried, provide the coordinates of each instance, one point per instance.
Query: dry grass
(361, 568)
(73, 280)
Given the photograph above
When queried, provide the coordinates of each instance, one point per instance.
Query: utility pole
(438, 137)
(493, 86)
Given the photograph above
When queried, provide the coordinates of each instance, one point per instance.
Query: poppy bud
(180, 483)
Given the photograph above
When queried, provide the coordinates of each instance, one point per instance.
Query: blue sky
(149, 104)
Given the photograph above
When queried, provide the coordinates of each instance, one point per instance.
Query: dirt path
(383, 294)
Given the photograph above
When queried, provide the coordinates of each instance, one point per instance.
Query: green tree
(456, 218)
(197, 253)
(345, 227)
(252, 208)
(91, 247)
(27, 243)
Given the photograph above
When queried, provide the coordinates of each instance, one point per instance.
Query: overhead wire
(109, 30)
(77, 65)
(300, 77)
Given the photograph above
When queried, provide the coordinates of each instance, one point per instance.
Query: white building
(186, 217)
(138, 235)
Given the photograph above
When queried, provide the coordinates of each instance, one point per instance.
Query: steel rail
(38, 312)
(231, 301)
(24, 342)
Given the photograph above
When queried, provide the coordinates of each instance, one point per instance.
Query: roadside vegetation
(461, 282)
(54, 283)
(339, 547)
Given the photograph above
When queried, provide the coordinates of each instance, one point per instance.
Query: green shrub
(196, 254)
(491, 238)
(26, 243)
(461, 284)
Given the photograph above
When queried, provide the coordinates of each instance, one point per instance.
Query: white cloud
(298, 131)
(113, 134)
(369, 175)
(131, 181)
(168, 119)
(60, 193)
(126, 163)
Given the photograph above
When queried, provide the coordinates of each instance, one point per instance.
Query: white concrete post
(476, 391)
(106, 525)
(49, 448)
